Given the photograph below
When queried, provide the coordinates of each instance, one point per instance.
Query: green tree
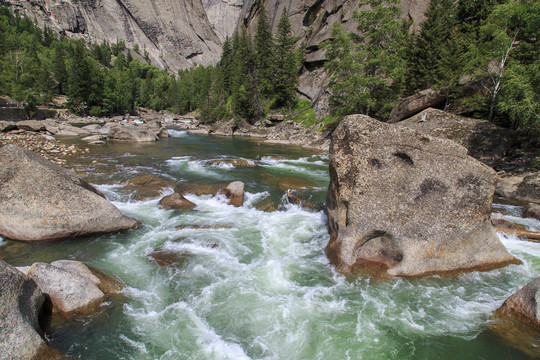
(286, 66)
(368, 70)
(509, 56)
(433, 48)
(264, 49)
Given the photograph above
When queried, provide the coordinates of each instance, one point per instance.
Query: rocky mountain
(175, 33)
(181, 33)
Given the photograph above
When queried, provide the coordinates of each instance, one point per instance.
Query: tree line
(253, 76)
(487, 47)
(483, 55)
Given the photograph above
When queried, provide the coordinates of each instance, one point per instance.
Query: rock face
(223, 14)
(484, 141)
(401, 203)
(72, 286)
(20, 304)
(40, 200)
(312, 22)
(415, 103)
(176, 34)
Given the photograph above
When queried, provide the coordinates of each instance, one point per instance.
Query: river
(258, 285)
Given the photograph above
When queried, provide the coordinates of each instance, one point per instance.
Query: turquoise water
(260, 286)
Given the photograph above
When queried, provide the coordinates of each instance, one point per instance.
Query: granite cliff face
(175, 33)
(181, 33)
(312, 22)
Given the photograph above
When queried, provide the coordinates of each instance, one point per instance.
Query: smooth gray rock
(7, 126)
(70, 293)
(20, 304)
(130, 133)
(31, 125)
(401, 203)
(40, 200)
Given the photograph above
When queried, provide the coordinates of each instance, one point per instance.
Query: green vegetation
(488, 45)
(98, 79)
(254, 76)
(482, 54)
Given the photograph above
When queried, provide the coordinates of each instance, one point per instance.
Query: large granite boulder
(40, 200)
(130, 133)
(7, 126)
(401, 203)
(517, 321)
(31, 125)
(20, 304)
(74, 288)
(484, 141)
(416, 103)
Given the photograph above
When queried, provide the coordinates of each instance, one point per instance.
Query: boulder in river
(145, 186)
(40, 200)
(235, 193)
(132, 133)
(518, 319)
(176, 201)
(21, 302)
(72, 286)
(402, 203)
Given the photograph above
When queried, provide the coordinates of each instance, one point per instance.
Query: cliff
(175, 33)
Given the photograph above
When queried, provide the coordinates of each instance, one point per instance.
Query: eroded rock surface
(20, 304)
(401, 203)
(40, 200)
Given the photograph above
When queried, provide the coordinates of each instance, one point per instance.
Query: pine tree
(430, 46)
(264, 48)
(286, 68)
(368, 70)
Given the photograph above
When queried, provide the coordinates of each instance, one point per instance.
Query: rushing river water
(260, 287)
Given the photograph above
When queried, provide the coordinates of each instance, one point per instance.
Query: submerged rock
(518, 319)
(234, 162)
(234, 191)
(401, 203)
(146, 186)
(40, 200)
(20, 304)
(293, 183)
